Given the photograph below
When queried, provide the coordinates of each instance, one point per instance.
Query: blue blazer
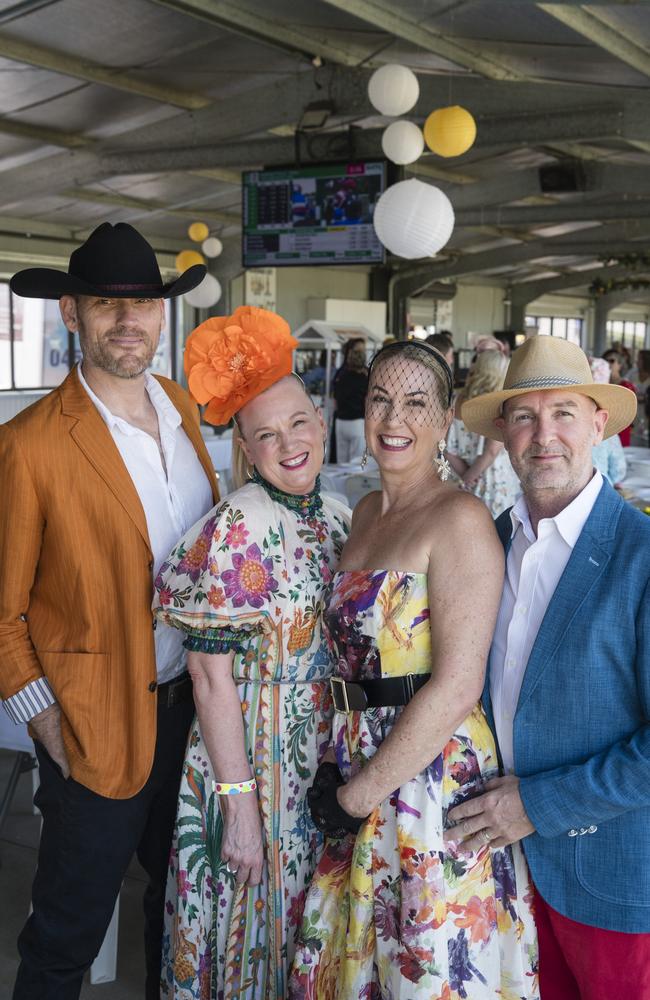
(582, 726)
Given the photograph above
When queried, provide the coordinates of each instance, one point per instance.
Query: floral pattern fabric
(395, 914)
(251, 575)
(499, 485)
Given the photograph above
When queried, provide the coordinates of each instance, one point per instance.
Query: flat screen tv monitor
(318, 214)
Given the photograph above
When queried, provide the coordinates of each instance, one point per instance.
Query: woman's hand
(222, 726)
(349, 799)
(470, 480)
(242, 846)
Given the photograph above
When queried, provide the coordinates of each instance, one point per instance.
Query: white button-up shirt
(533, 570)
(174, 496)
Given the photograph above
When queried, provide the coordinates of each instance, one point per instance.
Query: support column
(517, 315)
(603, 306)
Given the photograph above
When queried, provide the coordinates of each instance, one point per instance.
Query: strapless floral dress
(394, 913)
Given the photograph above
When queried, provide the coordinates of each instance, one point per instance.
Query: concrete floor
(18, 851)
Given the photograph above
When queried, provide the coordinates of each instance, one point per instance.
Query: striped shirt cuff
(34, 698)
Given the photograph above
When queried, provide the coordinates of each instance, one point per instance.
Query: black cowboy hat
(115, 261)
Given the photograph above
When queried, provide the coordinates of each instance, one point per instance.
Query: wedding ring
(486, 836)
(231, 871)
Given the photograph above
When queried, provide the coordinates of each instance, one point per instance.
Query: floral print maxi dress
(395, 913)
(250, 576)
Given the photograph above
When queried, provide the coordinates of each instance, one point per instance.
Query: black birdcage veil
(409, 384)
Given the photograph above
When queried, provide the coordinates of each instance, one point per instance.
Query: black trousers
(87, 843)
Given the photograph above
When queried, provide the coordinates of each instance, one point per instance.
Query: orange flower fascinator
(231, 359)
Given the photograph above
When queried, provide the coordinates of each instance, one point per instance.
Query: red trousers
(578, 962)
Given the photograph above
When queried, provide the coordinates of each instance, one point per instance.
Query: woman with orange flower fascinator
(246, 586)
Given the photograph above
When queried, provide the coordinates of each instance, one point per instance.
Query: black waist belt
(176, 691)
(357, 696)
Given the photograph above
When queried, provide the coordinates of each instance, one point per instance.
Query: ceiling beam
(425, 168)
(541, 215)
(91, 72)
(268, 30)
(395, 21)
(260, 109)
(597, 27)
(605, 239)
(250, 112)
(553, 125)
(493, 190)
(512, 130)
(149, 205)
(43, 251)
(224, 176)
(523, 292)
(43, 135)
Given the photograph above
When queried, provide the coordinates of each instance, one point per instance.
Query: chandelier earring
(364, 457)
(442, 465)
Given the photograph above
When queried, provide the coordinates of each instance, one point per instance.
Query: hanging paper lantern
(187, 258)
(449, 131)
(198, 231)
(402, 142)
(413, 219)
(206, 294)
(212, 247)
(393, 89)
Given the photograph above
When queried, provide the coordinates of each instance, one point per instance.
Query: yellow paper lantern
(198, 232)
(188, 258)
(449, 131)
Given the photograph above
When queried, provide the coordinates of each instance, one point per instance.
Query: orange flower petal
(231, 359)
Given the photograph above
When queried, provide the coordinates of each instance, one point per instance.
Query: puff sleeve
(219, 584)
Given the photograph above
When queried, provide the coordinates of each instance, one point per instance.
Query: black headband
(418, 345)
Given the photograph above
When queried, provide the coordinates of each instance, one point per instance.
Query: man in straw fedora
(100, 478)
(568, 686)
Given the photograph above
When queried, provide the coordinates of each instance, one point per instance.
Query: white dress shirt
(533, 570)
(174, 496)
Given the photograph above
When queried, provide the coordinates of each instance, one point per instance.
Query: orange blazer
(76, 582)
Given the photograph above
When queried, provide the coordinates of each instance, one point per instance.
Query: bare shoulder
(462, 520)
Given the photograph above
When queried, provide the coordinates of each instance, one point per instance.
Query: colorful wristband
(234, 788)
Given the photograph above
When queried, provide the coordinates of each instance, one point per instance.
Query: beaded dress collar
(304, 505)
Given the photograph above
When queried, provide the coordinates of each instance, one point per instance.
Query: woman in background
(350, 388)
(246, 585)
(615, 362)
(482, 466)
(609, 457)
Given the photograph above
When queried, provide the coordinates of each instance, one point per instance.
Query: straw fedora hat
(549, 363)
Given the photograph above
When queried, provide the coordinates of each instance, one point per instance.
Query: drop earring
(364, 457)
(442, 465)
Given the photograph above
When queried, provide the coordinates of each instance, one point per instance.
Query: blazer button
(154, 624)
(150, 564)
(573, 833)
(583, 830)
(153, 686)
(592, 829)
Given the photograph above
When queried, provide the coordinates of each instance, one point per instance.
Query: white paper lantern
(413, 219)
(212, 247)
(393, 89)
(402, 142)
(206, 294)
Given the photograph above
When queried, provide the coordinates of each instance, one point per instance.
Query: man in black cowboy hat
(101, 477)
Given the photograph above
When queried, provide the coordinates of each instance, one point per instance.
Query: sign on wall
(260, 287)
